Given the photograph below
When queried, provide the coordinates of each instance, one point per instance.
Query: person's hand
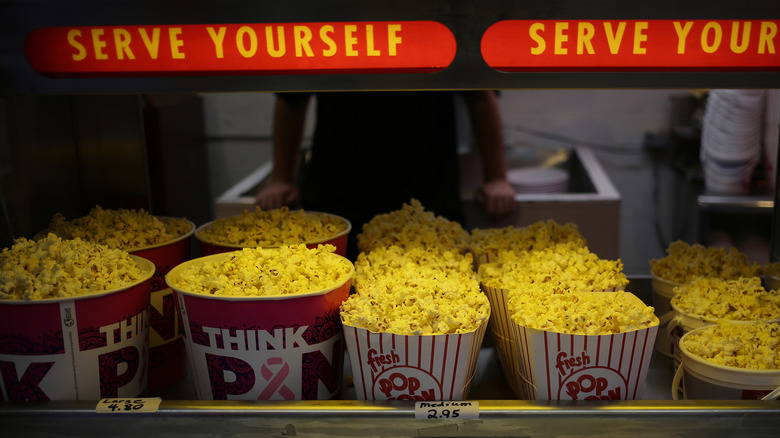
(276, 195)
(497, 197)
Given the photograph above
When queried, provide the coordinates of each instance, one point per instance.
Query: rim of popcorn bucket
(175, 273)
(773, 282)
(687, 317)
(664, 287)
(184, 236)
(145, 265)
(764, 378)
(346, 231)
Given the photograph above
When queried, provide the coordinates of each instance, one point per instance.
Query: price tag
(446, 410)
(128, 405)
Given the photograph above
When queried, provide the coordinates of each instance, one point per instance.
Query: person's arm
(497, 194)
(288, 126)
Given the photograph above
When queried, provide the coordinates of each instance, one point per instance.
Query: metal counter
(500, 414)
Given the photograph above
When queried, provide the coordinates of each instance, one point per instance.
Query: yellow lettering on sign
(739, 47)
(269, 41)
(614, 37)
(560, 38)
(174, 34)
(711, 28)
(326, 33)
(302, 35)
(246, 52)
(98, 44)
(766, 37)
(152, 44)
(682, 35)
(370, 50)
(533, 32)
(350, 39)
(122, 41)
(218, 37)
(393, 40)
(585, 32)
(81, 52)
(640, 37)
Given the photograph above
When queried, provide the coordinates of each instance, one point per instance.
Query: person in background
(374, 151)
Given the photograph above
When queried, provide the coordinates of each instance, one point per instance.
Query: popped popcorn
(53, 267)
(273, 228)
(121, 228)
(685, 261)
(412, 226)
(559, 268)
(581, 313)
(284, 270)
(754, 346)
(539, 235)
(416, 292)
(736, 299)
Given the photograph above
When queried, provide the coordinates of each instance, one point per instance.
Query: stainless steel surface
(500, 413)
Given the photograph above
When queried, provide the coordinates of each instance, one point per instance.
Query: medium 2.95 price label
(446, 410)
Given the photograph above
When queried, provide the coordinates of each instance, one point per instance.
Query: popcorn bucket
(705, 380)
(167, 363)
(209, 247)
(281, 347)
(663, 292)
(77, 348)
(400, 367)
(558, 366)
(772, 282)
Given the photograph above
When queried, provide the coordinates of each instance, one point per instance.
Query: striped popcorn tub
(553, 365)
(387, 366)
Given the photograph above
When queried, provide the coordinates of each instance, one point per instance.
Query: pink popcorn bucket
(209, 246)
(558, 366)
(705, 380)
(167, 361)
(400, 367)
(77, 348)
(282, 347)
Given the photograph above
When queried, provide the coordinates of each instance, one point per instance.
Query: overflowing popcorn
(52, 267)
(410, 227)
(273, 228)
(736, 299)
(284, 270)
(581, 313)
(754, 346)
(539, 235)
(559, 268)
(684, 261)
(416, 292)
(120, 228)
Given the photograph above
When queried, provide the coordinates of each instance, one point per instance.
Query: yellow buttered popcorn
(684, 261)
(539, 235)
(273, 228)
(736, 299)
(560, 268)
(412, 226)
(53, 267)
(754, 346)
(120, 228)
(420, 292)
(285, 270)
(581, 313)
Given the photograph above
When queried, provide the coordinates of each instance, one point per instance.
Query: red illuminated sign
(626, 45)
(231, 49)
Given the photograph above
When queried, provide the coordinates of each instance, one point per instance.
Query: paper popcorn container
(772, 282)
(282, 347)
(167, 363)
(558, 366)
(705, 380)
(77, 348)
(663, 292)
(209, 247)
(400, 367)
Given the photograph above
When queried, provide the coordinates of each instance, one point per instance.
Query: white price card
(128, 405)
(444, 410)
